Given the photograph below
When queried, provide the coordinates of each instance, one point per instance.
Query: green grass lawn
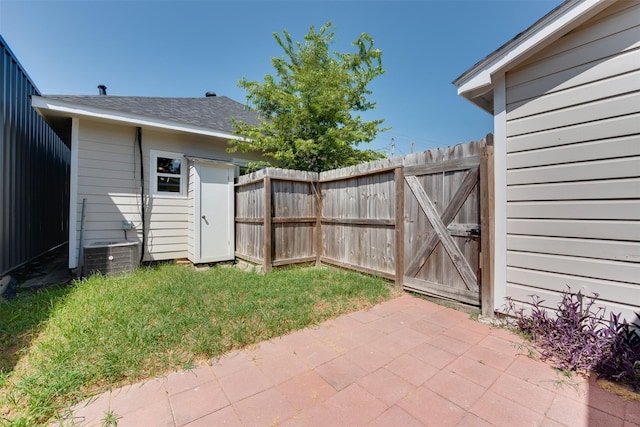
(61, 345)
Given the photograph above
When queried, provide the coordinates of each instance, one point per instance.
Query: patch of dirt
(323, 307)
(455, 305)
(49, 269)
(618, 389)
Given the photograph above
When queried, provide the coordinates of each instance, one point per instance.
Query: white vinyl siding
(109, 178)
(191, 250)
(106, 178)
(573, 165)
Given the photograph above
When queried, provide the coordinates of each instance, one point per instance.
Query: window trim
(153, 173)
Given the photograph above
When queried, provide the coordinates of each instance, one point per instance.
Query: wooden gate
(413, 219)
(442, 224)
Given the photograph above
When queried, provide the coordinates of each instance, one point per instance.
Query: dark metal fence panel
(34, 172)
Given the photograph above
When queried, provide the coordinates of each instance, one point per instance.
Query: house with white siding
(565, 97)
(154, 171)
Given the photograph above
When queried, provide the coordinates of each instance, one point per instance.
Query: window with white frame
(168, 174)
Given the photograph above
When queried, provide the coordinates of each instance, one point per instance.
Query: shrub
(578, 337)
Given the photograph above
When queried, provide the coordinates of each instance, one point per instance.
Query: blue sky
(186, 48)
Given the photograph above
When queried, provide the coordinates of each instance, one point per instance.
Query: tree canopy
(309, 110)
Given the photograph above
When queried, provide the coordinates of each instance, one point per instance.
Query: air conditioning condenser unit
(111, 258)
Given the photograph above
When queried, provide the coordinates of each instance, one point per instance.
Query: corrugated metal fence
(34, 172)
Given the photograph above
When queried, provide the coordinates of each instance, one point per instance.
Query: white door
(215, 213)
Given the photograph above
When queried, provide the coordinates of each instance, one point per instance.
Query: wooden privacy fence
(422, 220)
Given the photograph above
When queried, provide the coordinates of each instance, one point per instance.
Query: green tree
(309, 111)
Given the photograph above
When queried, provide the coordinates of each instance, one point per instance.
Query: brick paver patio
(405, 362)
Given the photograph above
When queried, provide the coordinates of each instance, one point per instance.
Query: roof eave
(42, 105)
(478, 80)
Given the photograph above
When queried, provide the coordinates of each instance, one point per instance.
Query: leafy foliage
(579, 338)
(308, 110)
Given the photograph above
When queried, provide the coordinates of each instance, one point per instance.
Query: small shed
(565, 97)
(150, 170)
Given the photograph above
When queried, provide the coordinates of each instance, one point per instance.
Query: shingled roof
(211, 112)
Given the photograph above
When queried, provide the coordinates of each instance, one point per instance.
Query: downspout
(142, 203)
(81, 239)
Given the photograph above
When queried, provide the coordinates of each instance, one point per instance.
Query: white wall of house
(572, 187)
(108, 176)
(191, 203)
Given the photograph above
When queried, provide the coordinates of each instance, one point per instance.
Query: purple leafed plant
(579, 339)
(622, 362)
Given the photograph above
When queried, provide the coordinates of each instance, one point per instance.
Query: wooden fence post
(399, 226)
(487, 217)
(267, 262)
(318, 223)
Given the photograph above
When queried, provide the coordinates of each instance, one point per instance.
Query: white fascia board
(548, 29)
(77, 110)
(480, 81)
